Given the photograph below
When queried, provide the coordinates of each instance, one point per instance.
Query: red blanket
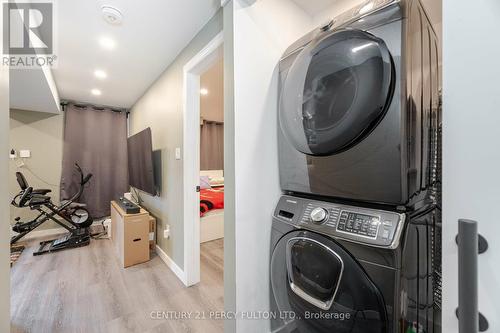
(210, 199)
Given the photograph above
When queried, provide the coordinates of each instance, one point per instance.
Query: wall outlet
(177, 153)
(13, 154)
(107, 226)
(166, 232)
(25, 153)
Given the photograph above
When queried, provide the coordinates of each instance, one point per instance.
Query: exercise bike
(73, 216)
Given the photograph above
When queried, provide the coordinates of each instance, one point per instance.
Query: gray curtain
(212, 146)
(97, 140)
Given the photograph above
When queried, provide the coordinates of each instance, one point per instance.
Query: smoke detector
(112, 15)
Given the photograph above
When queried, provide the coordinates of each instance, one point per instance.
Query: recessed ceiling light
(204, 91)
(96, 92)
(100, 74)
(112, 15)
(107, 43)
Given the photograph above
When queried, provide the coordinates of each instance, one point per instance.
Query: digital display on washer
(358, 224)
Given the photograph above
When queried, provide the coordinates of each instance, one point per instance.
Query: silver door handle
(308, 298)
(323, 305)
(469, 318)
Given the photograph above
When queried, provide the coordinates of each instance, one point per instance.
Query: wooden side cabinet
(130, 235)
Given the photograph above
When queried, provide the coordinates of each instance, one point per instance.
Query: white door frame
(191, 145)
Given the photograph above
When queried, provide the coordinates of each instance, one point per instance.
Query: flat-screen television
(140, 162)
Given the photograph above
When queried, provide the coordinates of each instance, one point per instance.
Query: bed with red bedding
(211, 199)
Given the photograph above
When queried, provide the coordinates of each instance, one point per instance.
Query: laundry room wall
(262, 32)
(330, 11)
(471, 99)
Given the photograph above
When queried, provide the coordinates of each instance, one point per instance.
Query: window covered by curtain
(212, 146)
(97, 140)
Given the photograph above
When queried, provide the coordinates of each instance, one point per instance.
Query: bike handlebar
(86, 179)
(83, 180)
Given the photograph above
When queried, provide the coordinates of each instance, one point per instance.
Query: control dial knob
(319, 215)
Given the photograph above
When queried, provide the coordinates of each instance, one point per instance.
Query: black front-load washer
(344, 269)
(317, 269)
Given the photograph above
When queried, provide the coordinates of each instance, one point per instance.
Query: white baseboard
(172, 265)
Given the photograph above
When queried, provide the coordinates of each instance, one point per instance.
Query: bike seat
(41, 191)
(39, 200)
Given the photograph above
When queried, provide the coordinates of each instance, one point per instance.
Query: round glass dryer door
(322, 288)
(336, 91)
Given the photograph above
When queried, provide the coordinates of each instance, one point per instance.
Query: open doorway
(211, 219)
(212, 177)
(203, 168)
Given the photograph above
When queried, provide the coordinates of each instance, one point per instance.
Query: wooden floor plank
(86, 290)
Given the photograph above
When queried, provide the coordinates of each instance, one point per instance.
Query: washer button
(385, 235)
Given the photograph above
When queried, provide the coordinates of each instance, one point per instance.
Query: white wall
(161, 109)
(229, 169)
(262, 32)
(4, 197)
(471, 157)
(212, 105)
(42, 134)
(338, 7)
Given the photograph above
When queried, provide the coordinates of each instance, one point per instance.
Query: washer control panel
(362, 225)
(359, 224)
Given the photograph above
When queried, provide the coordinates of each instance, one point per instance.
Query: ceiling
(151, 35)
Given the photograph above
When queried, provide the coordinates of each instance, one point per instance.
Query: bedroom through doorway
(212, 178)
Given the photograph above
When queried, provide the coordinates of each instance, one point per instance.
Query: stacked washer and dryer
(356, 240)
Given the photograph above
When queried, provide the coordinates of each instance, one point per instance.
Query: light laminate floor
(85, 290)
